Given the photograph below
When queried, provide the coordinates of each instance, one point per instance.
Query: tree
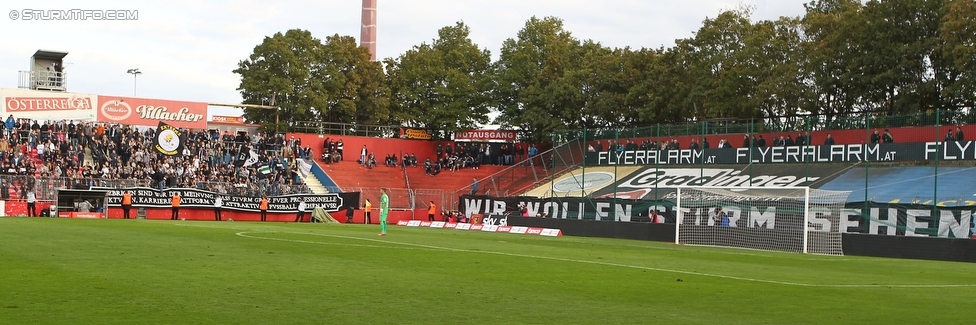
(775, 60)
(355, 86)
(279, 73)
(442, 86)
(725, 82)
(958, 33)
(900, 53)
(527, 72)
(830, 30)
(312, 81)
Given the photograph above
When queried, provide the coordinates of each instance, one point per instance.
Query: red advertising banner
(149, 112)
(485, 135)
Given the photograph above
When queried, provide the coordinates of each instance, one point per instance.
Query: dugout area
(68, 199)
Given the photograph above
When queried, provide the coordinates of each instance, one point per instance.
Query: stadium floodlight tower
(135, 75)
(793, 219)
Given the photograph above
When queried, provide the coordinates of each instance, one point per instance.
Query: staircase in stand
(315, 185)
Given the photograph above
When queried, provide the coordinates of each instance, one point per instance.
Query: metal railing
(43, 80)
(348, 129)
(932, 136)
(253, 189)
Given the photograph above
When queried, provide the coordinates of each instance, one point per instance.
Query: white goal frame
(680, 213)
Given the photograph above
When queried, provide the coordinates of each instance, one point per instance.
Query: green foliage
(85, 271)
(443, 86)
(841, 58)
(531, 92)
(312, 81)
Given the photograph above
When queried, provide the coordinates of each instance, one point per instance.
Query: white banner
(45, 105)
(304, 166)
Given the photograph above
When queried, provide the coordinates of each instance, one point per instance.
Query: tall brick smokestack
(368, 36)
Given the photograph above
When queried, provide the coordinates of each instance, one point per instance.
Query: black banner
(144, 197)
(850, 153)
(879, 218)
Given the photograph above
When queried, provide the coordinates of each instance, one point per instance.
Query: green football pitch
(74, 271)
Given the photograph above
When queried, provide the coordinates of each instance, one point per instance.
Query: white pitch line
(244, 234)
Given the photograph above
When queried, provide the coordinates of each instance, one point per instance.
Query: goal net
(793, 219)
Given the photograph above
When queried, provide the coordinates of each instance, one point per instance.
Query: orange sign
(415, 134)
(149, 112)
(228, 119)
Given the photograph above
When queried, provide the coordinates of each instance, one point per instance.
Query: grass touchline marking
(244, 234)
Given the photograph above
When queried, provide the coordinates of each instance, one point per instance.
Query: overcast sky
(187, 49)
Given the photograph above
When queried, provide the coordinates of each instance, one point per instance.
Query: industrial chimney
(368, 36)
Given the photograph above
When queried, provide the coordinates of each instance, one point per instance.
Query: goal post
(793, 219)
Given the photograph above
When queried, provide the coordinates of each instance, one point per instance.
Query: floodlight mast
(135, 74)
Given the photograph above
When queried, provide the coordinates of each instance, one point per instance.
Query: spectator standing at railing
(959, 136)
(875, 137)
(9, 123)
(509, 154)
(339, 146)
(887, 137)
(362, 156)
(487, 157)
(949, 137)
(533, 151)
(803, 139)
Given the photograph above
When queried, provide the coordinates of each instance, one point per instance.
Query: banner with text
(193, 198)
(47, 105)
(485, 135)
(850, 153)
(149, 112)
(418, 134)
(876, 219)
(900, 184)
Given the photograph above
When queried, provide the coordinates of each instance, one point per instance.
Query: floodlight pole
(135, 74)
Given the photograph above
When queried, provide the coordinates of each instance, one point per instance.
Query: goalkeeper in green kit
(384, 211)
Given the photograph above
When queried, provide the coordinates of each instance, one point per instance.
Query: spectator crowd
(82, 154)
